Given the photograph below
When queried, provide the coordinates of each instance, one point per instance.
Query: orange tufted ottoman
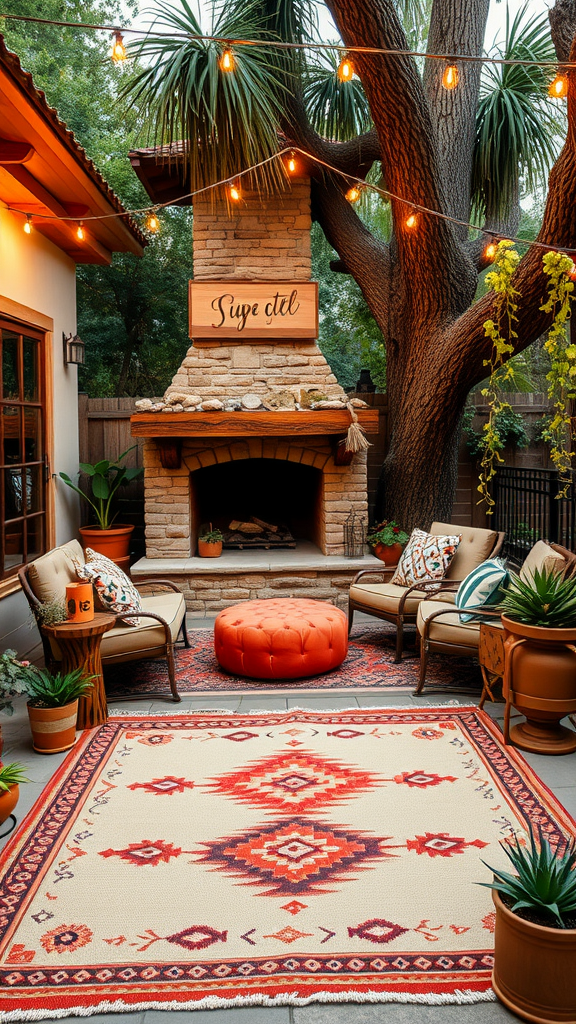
(281, 639)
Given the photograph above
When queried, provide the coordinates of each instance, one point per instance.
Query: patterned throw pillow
(115, 590)
(425, 557)
(481, 587)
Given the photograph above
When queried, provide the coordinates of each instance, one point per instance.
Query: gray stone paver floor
(559, 774)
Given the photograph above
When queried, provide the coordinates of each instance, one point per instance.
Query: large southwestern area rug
(369, 665)
(211, 860)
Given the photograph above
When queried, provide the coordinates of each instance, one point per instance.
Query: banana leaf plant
(105, 478)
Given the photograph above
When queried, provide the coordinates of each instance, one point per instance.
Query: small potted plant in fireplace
(209, 542)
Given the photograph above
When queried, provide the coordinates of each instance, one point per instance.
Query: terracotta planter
(114, 543)
(534, 973)
(388, 553)
(8, 800)
(53, 729)
(542, 677)
(209, 549)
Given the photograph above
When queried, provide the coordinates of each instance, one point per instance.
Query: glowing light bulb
(353, 194)
(227, 61)
(234, 193)
(490, 251)
(153, 222)
(28, 225)
(411, 221)
(558, 89)
(450, 76)
(118, 51)
(292, 163)
(80, 233)
(572, 273)
(345, 70)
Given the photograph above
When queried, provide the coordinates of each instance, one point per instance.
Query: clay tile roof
(11, 63)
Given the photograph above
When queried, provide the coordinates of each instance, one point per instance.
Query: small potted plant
(387, 541)
(535, 930)
(105, 478)
(53, 708)
(210, 543)
(13, 676)
(11, 778)
(539, 618)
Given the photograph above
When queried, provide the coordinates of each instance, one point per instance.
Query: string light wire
(282, 45)
(348, 179)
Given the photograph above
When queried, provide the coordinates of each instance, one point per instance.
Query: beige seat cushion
(385, 597)
(50, 573)
(123, 643)
(448, 629)
(474, 548)
(541, 556)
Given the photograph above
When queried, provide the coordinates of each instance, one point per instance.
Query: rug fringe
(449, 705)
(458, 997)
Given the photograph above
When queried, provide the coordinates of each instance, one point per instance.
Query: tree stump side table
(79, 643)
(491, 658)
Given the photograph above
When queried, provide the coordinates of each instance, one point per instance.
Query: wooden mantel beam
(250, 424)
(15, 152)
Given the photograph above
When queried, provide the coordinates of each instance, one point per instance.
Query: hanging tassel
(356, 440)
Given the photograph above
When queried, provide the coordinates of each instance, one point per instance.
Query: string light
(227, 61)
(450, 77)
(353, 193)
(412, 220)
(572, 273)
(80, 233)
(292, 162)
(558, 89)
(152, 222)
(118, 51)
(345, 70)
(490, 250)
(234, 193)
(28, 225)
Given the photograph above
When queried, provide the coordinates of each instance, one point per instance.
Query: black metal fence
(528, 509)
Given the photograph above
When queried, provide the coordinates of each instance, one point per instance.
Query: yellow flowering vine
(502, 334)
(562, 376)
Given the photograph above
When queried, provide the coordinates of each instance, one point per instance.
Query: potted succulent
(210, 543)
(539, 618)
(387, 541)
(11, 778)
(535, 930)
(105, 478)
(13, 676)
(53, 708)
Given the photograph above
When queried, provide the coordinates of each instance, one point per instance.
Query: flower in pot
(535, 931)
(53, 708)
(539, 617)
(387, 541)
(104, 480)
(210, 543)
(11, 778)
(13, 676)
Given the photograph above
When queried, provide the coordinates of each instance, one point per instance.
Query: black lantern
(73, 349)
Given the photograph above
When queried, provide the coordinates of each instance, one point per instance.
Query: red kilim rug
(369, 665)
(215, 860)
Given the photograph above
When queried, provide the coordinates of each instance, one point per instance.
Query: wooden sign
(250, 310)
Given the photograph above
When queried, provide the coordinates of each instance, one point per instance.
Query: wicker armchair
(155, 635)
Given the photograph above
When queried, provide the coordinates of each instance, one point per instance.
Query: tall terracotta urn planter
(114, 542)
(541, 675)
(53, 729)
(534, 967)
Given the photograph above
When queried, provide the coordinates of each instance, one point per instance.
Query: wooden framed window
(23, 459)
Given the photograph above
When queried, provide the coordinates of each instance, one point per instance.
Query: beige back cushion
(50, 573)
(474, 548)
(541, 556)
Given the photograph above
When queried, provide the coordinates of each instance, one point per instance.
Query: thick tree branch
(563, 26)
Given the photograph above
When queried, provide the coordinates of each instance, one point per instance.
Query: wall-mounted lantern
(74, 349)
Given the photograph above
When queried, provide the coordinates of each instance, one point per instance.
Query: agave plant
(546, 599)
(13, 774)
(545, 882)
(55, 690)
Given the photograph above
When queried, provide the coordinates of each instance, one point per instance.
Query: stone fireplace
(252, 426)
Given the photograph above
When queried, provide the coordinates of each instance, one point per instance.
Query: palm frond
(221, 122)
(337, 110)
(517, 124)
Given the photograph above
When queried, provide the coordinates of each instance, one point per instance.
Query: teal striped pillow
(481, 587)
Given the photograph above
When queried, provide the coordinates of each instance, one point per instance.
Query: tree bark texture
(420, 288)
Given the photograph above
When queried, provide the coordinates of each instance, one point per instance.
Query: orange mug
(79, 602)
